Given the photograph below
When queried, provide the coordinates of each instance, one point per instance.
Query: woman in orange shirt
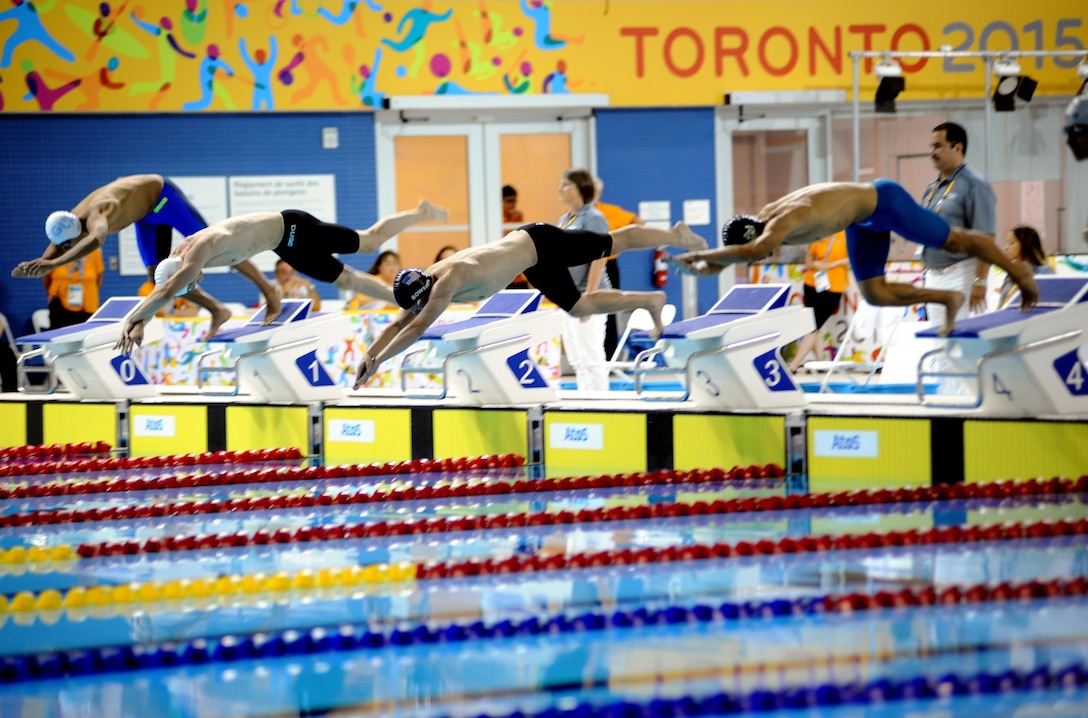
(825, 280)
(72, 290)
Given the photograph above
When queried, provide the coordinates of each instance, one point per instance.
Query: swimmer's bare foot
(220, 316)
(431, 212)
(951, 309)
(1029, 290)
(273, 306)
(654, 305)
(686, 238)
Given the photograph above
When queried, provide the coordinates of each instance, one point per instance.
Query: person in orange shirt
(826, 266)
(72, 290)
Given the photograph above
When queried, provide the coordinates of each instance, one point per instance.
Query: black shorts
(823, 304)
(308, 245)
(557, 250)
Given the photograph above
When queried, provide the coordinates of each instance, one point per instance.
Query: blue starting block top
(292, 310)
(506, 304)
(1054, 293)
(112, 311)
(743, 300)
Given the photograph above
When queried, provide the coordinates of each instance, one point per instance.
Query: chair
(639, 321)
(5, 331)
(40, 320)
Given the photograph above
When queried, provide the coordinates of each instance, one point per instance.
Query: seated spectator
(385, 267)
(1023, 245)
(293, 285)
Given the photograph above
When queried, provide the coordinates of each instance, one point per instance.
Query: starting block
(485, 359)
(729, 358)
(82, 356)
(1021, 363)
(278, 362)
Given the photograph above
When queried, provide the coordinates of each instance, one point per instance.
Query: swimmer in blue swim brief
(157, 207)
(869, 212)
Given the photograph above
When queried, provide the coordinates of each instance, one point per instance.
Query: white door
(760, 160)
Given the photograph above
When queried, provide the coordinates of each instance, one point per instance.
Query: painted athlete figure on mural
(869, 213)
(544, 254)
(300, 239)
(157, 207)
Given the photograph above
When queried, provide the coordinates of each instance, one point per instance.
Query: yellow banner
(222, 55)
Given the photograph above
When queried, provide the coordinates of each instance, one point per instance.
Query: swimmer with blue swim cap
(544, 253)
(869, 212)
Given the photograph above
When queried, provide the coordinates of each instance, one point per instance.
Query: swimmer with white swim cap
(157, 207)
(300, 239)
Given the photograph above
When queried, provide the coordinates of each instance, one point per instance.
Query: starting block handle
(646, 355)
(446, 367)
(202, 371)
(23, 372)
(977, 375)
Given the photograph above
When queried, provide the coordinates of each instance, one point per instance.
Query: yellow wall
(994, 450)
(64, 423)
(476, 432)
(622, 441)
(267, 427)
(705, 441)
(188, 434)
(378, 435)
(654, 52)
(902, 454)
(12, 423)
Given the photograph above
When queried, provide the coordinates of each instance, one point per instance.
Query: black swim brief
(557, 250)
(308, 245)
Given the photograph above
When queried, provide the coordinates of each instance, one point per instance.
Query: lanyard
(572, 216)
(830, 244)
(937, 207)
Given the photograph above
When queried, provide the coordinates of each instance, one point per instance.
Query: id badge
(75, 296)
(822, 283)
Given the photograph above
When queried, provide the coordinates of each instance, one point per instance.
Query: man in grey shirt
(964, 199)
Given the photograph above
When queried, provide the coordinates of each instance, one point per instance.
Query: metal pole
(857, 118)
(989, 118)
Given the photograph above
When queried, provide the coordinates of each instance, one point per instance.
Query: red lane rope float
(996, 490)
(764, 547)
(407, 492)
(68, 487)
(53, 451)
(148, 462)
(309, 534)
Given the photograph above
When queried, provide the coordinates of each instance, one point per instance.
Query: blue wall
(664, 154)
(50, 162)
(53, 161)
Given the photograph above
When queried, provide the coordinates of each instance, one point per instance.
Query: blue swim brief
(171, 211)
(868, 242)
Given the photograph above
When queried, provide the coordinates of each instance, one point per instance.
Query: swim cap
(168, 268)
(742, 229)
(411, 288)
(62, 226)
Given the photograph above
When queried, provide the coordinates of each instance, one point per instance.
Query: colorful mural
(266, 55)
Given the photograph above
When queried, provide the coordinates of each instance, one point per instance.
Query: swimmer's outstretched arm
(405, 331)
(53, 256)
(712, 261)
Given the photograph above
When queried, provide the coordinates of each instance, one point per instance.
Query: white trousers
(584, 344)
(960, 277)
